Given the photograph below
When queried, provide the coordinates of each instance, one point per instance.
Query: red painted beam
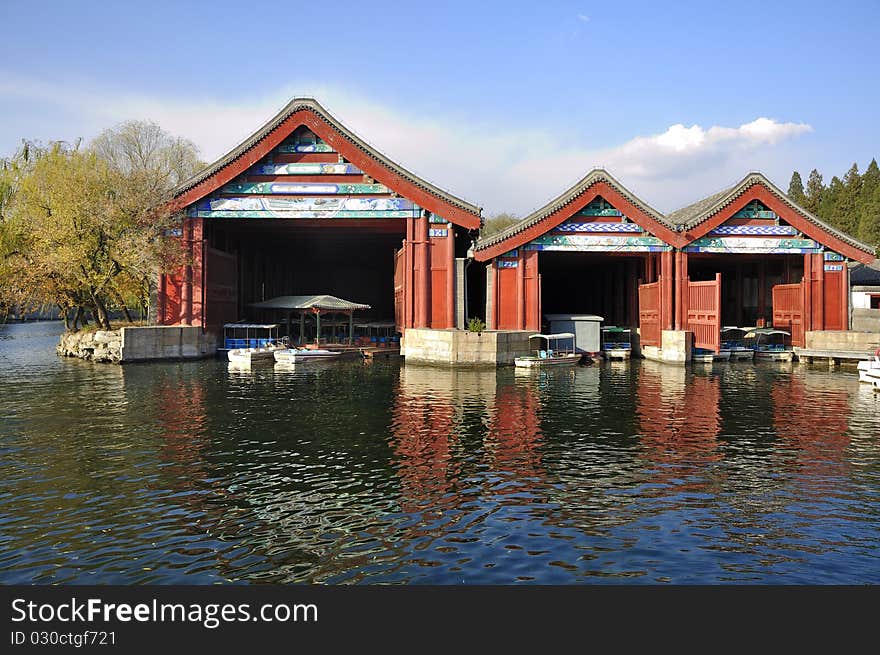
(562, 214)
(343, 146)
(784, 211)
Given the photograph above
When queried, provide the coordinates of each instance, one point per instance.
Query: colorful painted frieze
(753, 245)
(306, 169)
(831, 256)
(591, 243)
(754, 230)
(571, 226)
(506, 263)
(304, 147)
(755, 209)
(433, 218)
(289, 188)
(833, 267)
(437, 232)
(296, 214)
(599, 207)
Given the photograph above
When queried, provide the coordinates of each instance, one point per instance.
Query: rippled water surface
(349, 472)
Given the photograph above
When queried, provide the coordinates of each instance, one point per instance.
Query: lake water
(347, 472)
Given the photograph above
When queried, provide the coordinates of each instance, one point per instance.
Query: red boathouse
(304, 206)
(748, 255)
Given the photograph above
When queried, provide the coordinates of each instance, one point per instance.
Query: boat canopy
(321, 302)
(731, 328)
(252, 326)
(615, 329)
(766, 332)
(560, 335)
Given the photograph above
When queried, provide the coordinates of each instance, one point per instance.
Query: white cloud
(583, 18)
(495, 165)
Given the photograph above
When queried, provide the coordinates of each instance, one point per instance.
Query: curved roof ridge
(696, 213)
(567, 196)
(310, 104)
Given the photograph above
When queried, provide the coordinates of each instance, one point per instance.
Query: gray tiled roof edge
(315, 107)
(692, 215)
(566, 197)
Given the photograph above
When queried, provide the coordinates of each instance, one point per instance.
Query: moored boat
(249, 356)
(547, 357)
(616, 342)
(704, 356)
(732, 339)
(298, 355)
(868, 368)
(770, 344)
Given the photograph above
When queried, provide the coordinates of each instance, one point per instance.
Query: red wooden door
(399, 287)
(704, 313)
(650, 313)
(788, 311)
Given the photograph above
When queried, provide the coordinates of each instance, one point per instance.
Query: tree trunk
(100, 312)
(65, 314)
(77, 317)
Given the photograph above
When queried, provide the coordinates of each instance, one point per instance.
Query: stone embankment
(99, 346)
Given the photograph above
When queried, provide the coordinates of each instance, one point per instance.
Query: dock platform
(834, 357)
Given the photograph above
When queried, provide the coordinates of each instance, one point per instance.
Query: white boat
(616, 342)
(867, 367)
(704, 356)
(767, 347)
(732, 340)
(297, 355)
(547, 357)
(249, 356)
(873, 376)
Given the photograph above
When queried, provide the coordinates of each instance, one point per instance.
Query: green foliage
(83, 228)
(851, 204)
(796, 188)
(814, 192)
(476, 325)
(497, 223)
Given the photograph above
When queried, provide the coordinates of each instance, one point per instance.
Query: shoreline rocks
(99, 346)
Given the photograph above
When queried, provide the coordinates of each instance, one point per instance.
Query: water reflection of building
(811, 418)
(679, 420)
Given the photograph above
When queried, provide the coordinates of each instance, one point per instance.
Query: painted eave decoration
(697, 220)
(308, 112)
(597, 182)
(697, 227)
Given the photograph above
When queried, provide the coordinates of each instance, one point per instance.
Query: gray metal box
(586, 327)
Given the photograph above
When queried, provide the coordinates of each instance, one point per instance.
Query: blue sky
(503, 103)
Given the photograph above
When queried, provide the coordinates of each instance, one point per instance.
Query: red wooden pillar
(680, 290)
(683, 302)
(161, 298)
(819, 301)
(450, 276)
(666, 273)
(520, 289)
(808, 293)
(199, 245)
(186, 291)
(423, 284)
(845, 297)
(532, 288)
(409, 274)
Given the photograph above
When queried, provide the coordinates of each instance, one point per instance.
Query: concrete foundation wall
(140, 344)
(675, 347)
(866, 320)
(460, 347)
(842, 340)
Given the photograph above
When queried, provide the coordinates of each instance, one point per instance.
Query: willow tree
(89, 223)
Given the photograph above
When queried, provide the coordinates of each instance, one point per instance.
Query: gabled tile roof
(689, 217)
(312, 105)
(569, 196)
(867, 275)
